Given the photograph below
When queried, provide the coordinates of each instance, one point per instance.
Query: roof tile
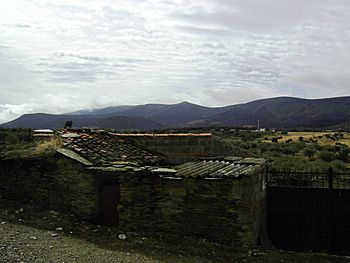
(104, 149)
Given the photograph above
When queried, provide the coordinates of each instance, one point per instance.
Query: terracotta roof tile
(102, 149)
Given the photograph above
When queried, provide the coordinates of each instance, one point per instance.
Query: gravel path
(32, 235)
(20, 243)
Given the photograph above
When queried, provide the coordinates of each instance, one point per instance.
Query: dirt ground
(31, 235)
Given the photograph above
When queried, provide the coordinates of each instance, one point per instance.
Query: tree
(68, 125)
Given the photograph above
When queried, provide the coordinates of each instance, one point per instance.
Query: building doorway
(109, 196)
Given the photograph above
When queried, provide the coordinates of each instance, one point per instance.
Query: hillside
(281, 112)
(174, 114)
(51, 121)
(287, 112)
(103, 111)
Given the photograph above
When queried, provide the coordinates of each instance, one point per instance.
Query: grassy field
(322, 138)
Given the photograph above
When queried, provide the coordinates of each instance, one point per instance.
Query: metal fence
(309, 179)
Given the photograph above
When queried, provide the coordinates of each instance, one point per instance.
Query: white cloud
(58, 56)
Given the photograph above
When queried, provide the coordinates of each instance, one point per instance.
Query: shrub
(274, 140)
(309, 152)
(51, 144)
(290, 149)
(339, 165)
(344, 153)
(11, 139)
(327, 156)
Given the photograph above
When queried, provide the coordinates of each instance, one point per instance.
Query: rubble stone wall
(226, 211)
(181, 149)
(57, 183)
(222, 211)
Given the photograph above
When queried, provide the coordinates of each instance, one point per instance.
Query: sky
(66, 55)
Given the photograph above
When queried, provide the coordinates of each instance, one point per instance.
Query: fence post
(330, 178)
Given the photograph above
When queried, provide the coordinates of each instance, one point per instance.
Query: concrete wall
(181, 149)
(55, 182)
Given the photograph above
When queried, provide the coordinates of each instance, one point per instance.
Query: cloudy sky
(61, 56)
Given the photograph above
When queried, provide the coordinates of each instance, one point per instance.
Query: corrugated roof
(223, 168)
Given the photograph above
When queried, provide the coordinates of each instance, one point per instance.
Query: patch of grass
(47, 145)
(30, 150)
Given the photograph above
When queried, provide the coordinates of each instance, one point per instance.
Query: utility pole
(258, 125)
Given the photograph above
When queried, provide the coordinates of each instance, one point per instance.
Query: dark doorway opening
(109, 196)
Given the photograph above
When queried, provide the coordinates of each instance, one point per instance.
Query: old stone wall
(227, 211)
(181, 149)
(54, 182)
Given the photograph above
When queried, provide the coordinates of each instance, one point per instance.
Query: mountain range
(280, 112)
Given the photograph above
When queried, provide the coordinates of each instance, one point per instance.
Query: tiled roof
(103, 149)
(219, 168)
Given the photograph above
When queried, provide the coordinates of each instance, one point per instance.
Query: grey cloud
(204, 31)
(214, 52)
(213, 45)
(134, 60)
(252, 15)
(82, 57)
(18, 25)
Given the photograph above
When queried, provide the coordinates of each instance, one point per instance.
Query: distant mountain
(281, 112)
(104, 111)
(173, 115)
(287, 112)
(51, 121)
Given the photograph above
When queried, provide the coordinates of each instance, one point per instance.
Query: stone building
(116, 181)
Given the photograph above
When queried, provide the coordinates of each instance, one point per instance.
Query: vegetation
(15, 136)
(20, 143)
(285, 150)
(295, 150)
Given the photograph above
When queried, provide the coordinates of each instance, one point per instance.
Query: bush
(290, 149)
(309, 152)
(331, 148)
(339, 165)
(327, 156)
(344, 153)
(271, 154)
(11, 139)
